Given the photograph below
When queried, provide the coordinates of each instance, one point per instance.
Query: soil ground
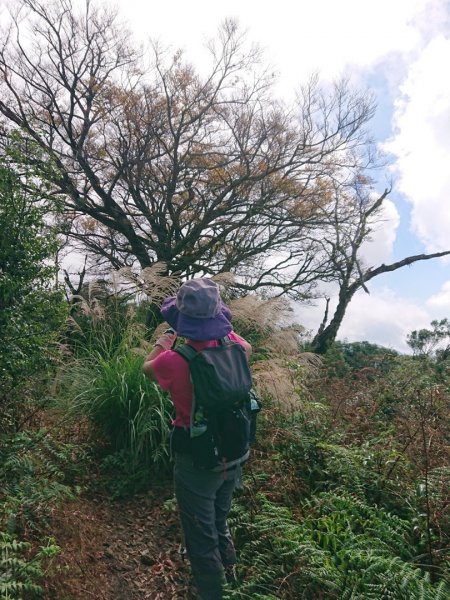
(119, 550)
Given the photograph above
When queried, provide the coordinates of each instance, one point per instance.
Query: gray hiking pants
(204, 500)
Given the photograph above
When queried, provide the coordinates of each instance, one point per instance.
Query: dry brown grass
(263, 313)
(152, 281)
(279, 380)
(91, 303)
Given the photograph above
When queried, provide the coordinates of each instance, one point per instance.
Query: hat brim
(196, 329)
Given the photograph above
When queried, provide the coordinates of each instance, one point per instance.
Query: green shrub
(334, 546)
(20, 570)
(36, 472)
(343, 359)
(31, 310)
(349, 509)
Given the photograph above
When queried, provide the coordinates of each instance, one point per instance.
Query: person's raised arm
(162, 344)
(247, 348)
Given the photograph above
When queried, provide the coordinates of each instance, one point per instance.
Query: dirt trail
(124, 550)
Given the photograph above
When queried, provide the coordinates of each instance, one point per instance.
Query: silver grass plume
(152, 281)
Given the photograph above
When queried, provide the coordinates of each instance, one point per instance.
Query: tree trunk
(326, 336)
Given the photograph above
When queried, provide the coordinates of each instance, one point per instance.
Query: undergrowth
(22, 570)
(346, 495)
(343, 503)
(37, 472)
(336, 546)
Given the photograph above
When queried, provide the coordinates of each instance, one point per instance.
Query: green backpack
(224, 407)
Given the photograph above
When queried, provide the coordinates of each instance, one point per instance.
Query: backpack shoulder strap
(186, 351)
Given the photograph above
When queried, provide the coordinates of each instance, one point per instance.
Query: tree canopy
(158, 163)
(431, 342)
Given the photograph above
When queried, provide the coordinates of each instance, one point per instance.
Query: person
(204, 497)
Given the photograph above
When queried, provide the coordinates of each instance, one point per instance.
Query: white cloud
(384, 318)
(421, 143)
(440, 302)
(324, 36)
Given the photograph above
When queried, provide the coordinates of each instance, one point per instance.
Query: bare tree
(351, 217)
(156, 163)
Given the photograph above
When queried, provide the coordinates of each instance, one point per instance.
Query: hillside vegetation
(345, 496)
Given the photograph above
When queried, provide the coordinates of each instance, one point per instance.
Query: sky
(400, 51)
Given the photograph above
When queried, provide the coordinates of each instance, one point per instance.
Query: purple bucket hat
(197, 312)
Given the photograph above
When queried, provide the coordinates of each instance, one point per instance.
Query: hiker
(198, 314)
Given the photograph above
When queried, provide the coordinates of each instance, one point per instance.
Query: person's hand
(167, 339)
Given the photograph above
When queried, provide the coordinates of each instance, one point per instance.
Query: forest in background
(157, 174)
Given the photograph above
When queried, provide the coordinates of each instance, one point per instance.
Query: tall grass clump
(102, 382)
(102, 321)
(128, 412)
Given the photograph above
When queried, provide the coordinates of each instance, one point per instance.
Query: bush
(21, 573)
(36, 471)
(31, 311)
(350, 508)
(340, 547)
(343, 359)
